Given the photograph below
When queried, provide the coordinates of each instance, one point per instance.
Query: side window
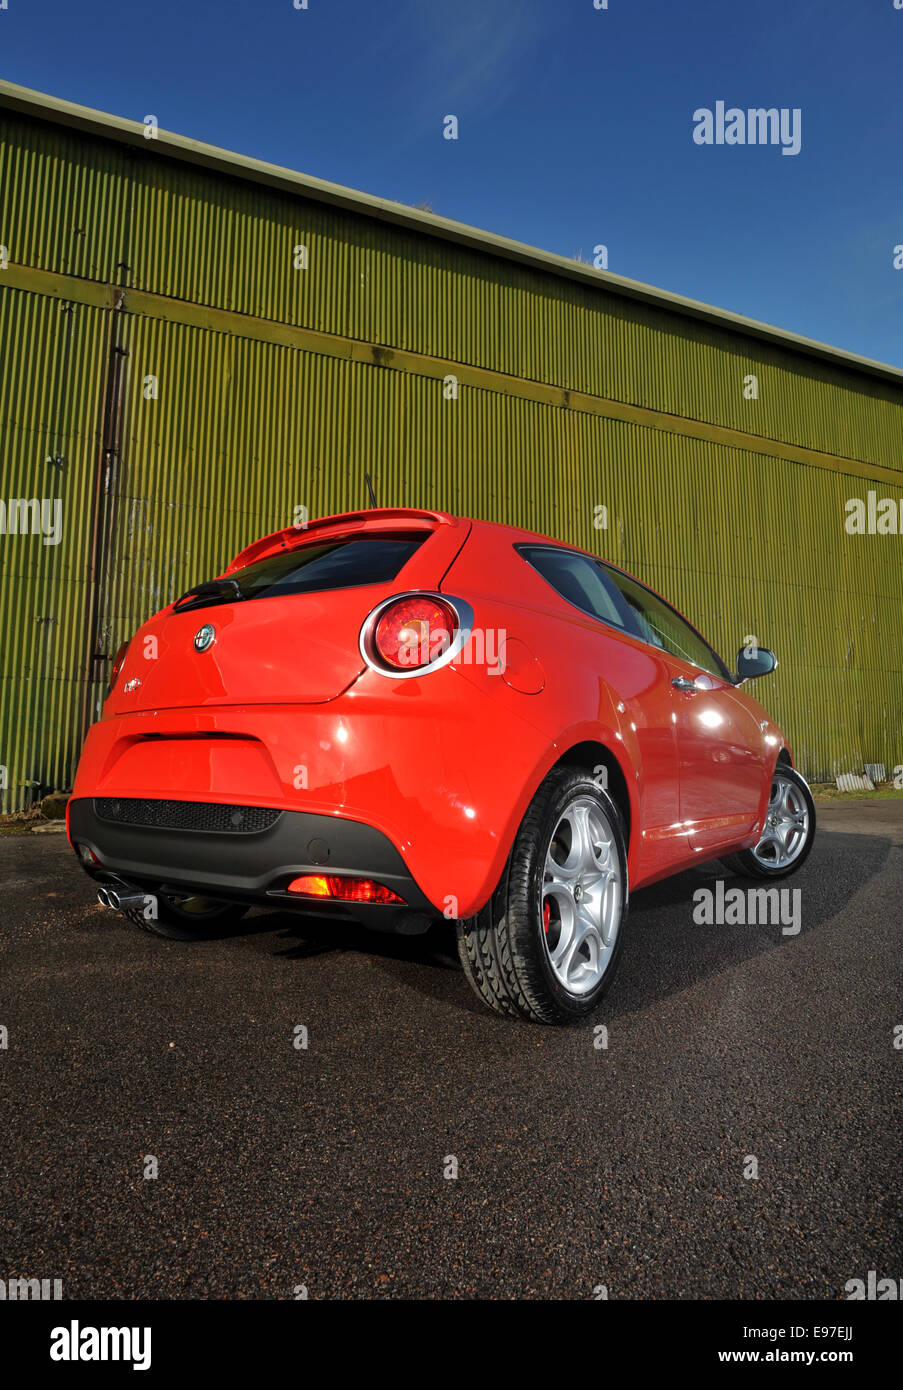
(580, 581)
(660, 625)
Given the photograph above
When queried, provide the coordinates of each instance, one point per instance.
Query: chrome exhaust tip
(123, 900)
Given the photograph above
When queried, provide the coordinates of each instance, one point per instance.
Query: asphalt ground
(324, 1168)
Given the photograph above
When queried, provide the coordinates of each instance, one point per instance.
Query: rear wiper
(211, 589)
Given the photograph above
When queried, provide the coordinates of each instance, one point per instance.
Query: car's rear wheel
(788, 833)
(547, 944)
(190, 917)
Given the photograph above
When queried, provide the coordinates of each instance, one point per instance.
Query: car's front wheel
(547, 944)
(788, 832)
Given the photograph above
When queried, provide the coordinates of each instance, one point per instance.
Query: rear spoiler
(373, 519)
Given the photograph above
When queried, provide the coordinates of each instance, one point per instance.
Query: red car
(400, 715)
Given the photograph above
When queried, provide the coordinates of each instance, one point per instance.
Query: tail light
(118, 659)
(348, 890)
(414, 633)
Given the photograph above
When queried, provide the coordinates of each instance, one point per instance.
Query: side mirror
(761, 664)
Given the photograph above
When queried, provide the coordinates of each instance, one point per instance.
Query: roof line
(98, 123)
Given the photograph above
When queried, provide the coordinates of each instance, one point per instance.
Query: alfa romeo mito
(400, 716)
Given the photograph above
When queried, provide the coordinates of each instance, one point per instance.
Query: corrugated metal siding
(62, 203)
(243, 431)
(81, 206)
(51, 358)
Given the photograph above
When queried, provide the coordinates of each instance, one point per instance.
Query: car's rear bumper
(186, 846)
(440, 769)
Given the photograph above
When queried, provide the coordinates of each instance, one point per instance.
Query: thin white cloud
(473, 51)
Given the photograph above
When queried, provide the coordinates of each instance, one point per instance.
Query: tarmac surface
(282, 1168)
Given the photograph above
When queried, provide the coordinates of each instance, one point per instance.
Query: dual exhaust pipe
(122, 898)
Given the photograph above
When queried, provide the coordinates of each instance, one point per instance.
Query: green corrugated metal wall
(51, 372)
(252, 419)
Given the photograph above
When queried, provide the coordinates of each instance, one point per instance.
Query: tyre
(546, 946)
(184, 918)
(788, 833)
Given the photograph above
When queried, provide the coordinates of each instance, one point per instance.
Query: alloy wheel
(582, 894)
(786, 825)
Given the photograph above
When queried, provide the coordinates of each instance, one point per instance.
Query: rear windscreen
(336, 564)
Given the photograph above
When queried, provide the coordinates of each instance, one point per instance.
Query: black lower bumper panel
(251, 855)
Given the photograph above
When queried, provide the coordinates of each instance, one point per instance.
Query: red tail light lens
(118, 659)
(414, 632)
(349, 890)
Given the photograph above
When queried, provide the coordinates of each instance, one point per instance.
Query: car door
(722, 755)
(638, 678)
(721, 744)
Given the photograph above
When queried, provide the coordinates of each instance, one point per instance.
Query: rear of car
(274, 736)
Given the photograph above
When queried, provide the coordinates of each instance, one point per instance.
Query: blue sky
(575, 125)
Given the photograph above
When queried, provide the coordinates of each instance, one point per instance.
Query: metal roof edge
(98, 123)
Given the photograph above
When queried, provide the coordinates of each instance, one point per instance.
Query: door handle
(688, 686)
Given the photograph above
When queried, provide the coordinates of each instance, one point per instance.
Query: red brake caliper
(546, 915)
